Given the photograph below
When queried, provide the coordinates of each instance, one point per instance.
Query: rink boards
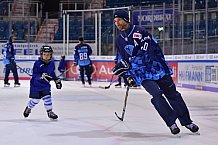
(190, 71)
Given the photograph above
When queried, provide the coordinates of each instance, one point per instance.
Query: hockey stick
(124, 107)
(65, 71)
(23, 70)
(111, 82)
(31, 74)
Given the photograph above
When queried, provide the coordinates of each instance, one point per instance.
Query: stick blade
(105, 87)
(121, 119)
(101, 87)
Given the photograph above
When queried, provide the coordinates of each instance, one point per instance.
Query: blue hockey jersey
(8, 52)
(145, 56)
(62, 65)
(82, 53)
(39, 67)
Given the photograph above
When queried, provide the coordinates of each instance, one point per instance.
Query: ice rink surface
(86, 117)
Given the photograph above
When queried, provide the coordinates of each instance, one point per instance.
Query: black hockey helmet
(46, 48)
(63, 57)
(81, 38)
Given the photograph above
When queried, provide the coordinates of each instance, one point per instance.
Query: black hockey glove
(121, 68)
(46, 77)
(131, 82)
(75, 63)
(58, 83)
(115, 60)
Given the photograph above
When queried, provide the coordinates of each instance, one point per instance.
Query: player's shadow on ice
(107, 134)
(123, 131)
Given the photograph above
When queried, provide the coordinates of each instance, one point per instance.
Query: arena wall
(190, 71)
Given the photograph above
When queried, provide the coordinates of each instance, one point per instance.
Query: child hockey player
(143, 62)
(40, 88)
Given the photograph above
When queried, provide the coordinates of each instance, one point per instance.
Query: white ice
(86, 117)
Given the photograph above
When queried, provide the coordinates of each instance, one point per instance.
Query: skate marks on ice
(26, 120)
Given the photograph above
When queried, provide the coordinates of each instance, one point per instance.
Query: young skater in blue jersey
(81, 58)
(142, 62)
(9, 61)
(40, 88)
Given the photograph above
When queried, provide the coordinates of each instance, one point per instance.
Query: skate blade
(53, 119)
(135, 88)
(117, 86)
(177, 135)
(196, 133)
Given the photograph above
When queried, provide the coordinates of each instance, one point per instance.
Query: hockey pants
(11, 67)
(85, 70)
(170, 107)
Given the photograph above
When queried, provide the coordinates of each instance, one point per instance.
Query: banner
(102, 71)
(174, 66)
(152, 17)
(189, 71)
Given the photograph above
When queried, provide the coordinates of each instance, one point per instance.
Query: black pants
(170, 107)
(11, 67)
(86, 70)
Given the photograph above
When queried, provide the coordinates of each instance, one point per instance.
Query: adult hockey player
(40, 88)
(9, 61)
(142, 62)
(82, 52)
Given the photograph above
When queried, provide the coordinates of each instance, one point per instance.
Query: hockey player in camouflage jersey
(143, 63)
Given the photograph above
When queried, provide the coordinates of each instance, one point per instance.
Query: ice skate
(26, 112)
(6, 84)
(118, 85)
(52, 115)
(17, 85)
(90, 84)
(193, 128)
(135, 87)
(174, 129)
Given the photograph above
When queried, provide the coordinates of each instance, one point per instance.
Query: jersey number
(145, 46)
(83, 56)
